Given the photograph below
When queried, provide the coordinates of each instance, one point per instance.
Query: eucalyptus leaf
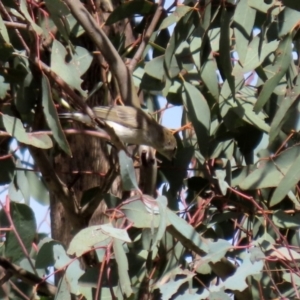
(24, 10)
(122, 267)
(244, 18)
(52, 116)
(282, 61)
(15, 128)
(59, 12)
(198, 112)
(86, 239)
(71, 68)
(271, 171)
(25, 224)
(255, 57)
(127, 172)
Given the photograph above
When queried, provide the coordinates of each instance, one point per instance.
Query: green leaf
(24, 10)
(130, 8)
(162, 203)
(179, 12)
(270, 172)
(285, 254)
(58, 12)
(137, 213)
(73, 270)
(52, 116)
(243, 107)
(216, 251)
(218, 295)
(238, 280)
(182, 31)
(155, 67)
(199, 113)
(291, 277)
(255, 56)
(14, 193)
(256, 254)
(290, 21)
(86, 239)
(70, 69)
(6, 50)
(282, 62)
(224, 51)
(244, 17)
(208, 16)
(63, 290)
(195, 46)
(127, 171)
(171, 287)
(226, 100)
(284, 220)
(25, 224)
(45, 255)
(214, 38)
(37, 188)
(15, 128)
(287, 183)
(4, 87)
(123, 267)
(3, 31)
(281, 115)
(187, 232)
(208, 74)
(111, 201)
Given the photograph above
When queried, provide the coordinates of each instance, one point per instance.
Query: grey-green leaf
(52, 116)
(127, 172)
(244, 18)
(15, 128)
(123, 267)
(282, 62)
(287, 183)
(70, 70)
(198, 112)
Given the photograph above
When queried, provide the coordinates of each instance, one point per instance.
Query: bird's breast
(127, 134)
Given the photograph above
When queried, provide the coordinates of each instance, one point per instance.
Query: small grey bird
(132, 126)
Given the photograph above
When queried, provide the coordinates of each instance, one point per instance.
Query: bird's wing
(124, 115)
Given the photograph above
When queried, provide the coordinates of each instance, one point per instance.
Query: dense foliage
(226, 223)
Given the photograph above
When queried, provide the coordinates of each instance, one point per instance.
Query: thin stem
(147, 36)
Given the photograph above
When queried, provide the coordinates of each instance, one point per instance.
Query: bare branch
(42, 286)
(15, 25)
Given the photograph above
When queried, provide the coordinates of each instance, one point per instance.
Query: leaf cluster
(227, 222)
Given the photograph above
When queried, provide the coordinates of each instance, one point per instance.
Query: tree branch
(107, 49)
(29, 278)
(147, 36)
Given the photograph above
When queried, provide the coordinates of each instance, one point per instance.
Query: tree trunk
(91, 163)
